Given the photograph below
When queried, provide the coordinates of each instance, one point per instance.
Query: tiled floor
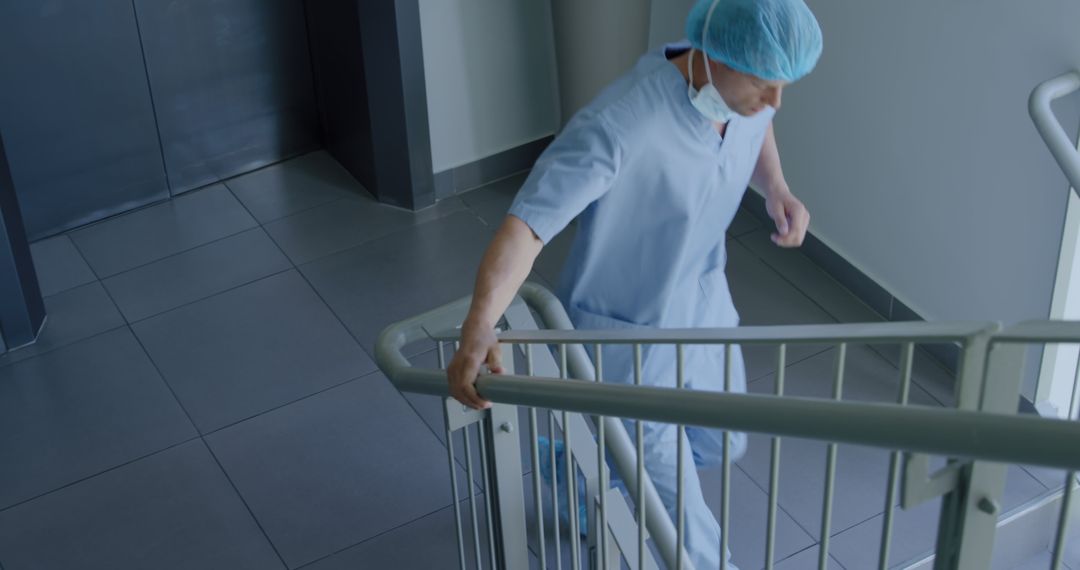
(204, 394)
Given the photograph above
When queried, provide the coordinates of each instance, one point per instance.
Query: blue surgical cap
(775, 40)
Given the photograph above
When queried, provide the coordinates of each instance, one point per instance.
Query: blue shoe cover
(544, 446)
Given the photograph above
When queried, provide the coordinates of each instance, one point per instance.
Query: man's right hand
(506, 263)
(479, 346)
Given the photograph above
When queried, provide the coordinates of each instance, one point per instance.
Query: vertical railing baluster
(453, 474)
(482, 436)
(1070, 480)
(554, 491)
(774, 466)
(538, 501)
(571, 475)
(640, 500)
(1074, 400)
(680, 501)
(472, 497)
(1063, 520)
(725, 495)
(830, 467)
(906, 360)
(601, 460)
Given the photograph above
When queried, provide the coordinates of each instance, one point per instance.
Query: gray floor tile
(79, 410)
(332, 470)
(174, 509)
(867, 378)
(762, 297)
(428, 542)
(549, 264)
(1020, 488)
(403, 274)
(1038, 562)
(810, 279)
(1071, 557)
(343, 224)
(196, 274)
(59, 265)
(861, 472)
(913, 536)
(440, 209)
(502, 190)
(927, 372)
(853, 278)
(152, 233)
(295, 185)
(1050, 478)
(491, 211)
(749, 519)
(1016, 542)
(73, 315)
(743, 223)
(914, 531)
(431, 410)
(807, 560)
(933, 377)
(861, 479)
(251, 349)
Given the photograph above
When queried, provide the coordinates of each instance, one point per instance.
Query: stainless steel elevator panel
(232, 85)
(75, 112)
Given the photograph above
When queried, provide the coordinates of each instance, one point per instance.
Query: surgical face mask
(708, 101)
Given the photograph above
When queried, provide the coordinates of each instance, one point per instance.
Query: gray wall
(667, 21)
(912, 147)
(109, 105)
(489, 66)
(596, 42)
(22, 311)
(337, 58)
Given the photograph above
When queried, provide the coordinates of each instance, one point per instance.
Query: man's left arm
(791, 217)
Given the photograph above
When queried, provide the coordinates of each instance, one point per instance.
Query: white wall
(668, 21)
(490, 72)
(912, 147)
(596, 42)
(910, 143)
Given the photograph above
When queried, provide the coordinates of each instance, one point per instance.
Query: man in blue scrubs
(654, 169)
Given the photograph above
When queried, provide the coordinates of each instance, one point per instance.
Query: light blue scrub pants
(703, 447)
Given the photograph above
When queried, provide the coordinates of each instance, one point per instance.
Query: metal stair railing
(981, 435)
(1057, 140)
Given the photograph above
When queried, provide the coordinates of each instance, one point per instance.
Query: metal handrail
(1040, 332)
(388, 354)
(868, 333)
(1050, 129)
(949, 432)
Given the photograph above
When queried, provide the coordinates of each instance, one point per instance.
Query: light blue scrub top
(654, 187)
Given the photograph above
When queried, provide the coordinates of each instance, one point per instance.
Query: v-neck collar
(685, 110)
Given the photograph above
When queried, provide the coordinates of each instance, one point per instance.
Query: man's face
(746, 94)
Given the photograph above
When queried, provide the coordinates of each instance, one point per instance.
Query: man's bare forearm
(768, 174)
(505, 265)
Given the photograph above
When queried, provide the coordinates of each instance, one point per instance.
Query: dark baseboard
(862, 286)
(500, 165)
